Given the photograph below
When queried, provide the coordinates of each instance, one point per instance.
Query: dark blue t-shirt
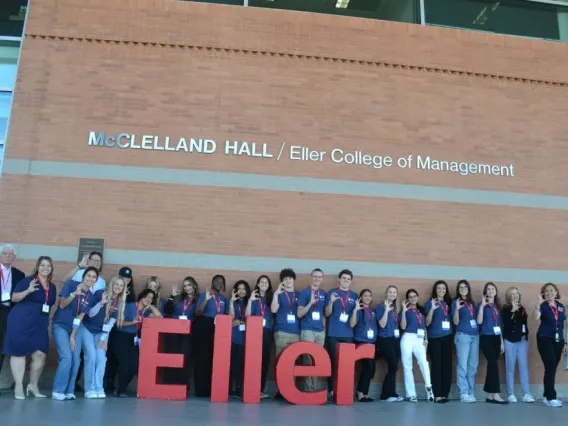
(414, 321)
(184, 308)
(288, 305)
(256, 309)
(342, 309)
(393, 321)
(467, 318)
(441, 324)
(310, 321)
(491, 319)
(366, 320)
(130, 315)
(549, 325)
(64, 317)
(95, 324)
(217, 305)
(238, 334)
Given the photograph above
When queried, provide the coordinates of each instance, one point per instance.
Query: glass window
(9, 51)
(5, 101)
(515, 17)
(12, 15)
(389, 10)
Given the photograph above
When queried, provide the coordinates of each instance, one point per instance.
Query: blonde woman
(515, 335)
(155, 284)
(388, 341)
(106, 309)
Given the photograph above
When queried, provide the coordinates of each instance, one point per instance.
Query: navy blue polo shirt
(415, 321)
(217, 305)
(288, 305)
(441, 316)
(366, 320)
(308, 322)
(549, 325)
(344, 304)
(256, 308)
(130, 315)
(491, 319)
(393, 321)
(467, 314)
(64, 317)
(184, 308)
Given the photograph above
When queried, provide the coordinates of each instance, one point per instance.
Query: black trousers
(389, 349)
(550, 352)
(440, 349)
(331, 348)
(111, 369)
(491, 348)
(266, 352)
(368, 367)
(128, 357)
(237, 369)
(203, 338)
(4, 311)
(178, 344)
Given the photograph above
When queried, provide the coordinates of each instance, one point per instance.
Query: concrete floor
(196, 412)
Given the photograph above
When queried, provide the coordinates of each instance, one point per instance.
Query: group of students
(102, 324)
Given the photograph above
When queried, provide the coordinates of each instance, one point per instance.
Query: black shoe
(494, 401)
(122, 395)
(330, 395)
(279, 396)
(445, 400)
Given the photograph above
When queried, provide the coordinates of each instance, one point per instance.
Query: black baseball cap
(125, 272)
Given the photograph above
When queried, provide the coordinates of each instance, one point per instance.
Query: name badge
(473, 323)
(106, 328)
(136, 341)
(242, 327)
(497, 330)
(6, 296)
(45, 308)
(524, 328)
(76, 322)
(316, 316)
(291, 318)
(370, 334)
(264, 322)
(557, 337)
(397, 333)
(420, 332)
(445, 325)
(184, 317)
(343, 317)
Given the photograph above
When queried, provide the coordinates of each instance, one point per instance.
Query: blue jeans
(95, 361)
(68, 365)
(518, 351)
(467, 350)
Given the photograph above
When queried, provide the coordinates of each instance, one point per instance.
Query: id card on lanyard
(343, 317)
(218, 305)
(186, 305)
(472, 321)
(554, 310)
(445, 320)
(316, 316)
(419, 318)
(290, 318)
(395, 318)
(45, 307)
(4, 280)
(106, 326)
(262, 311)
(496, 327)
(370, 331)
(242, 327)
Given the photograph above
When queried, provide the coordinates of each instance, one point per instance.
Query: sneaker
(468, 398)
(552, 402)
(429, 394)
(394, 399)
(330, 395)
(58, 396)
(527, 397)
(122, 395)
(512, 398)
(264, 395)
(413, 399)
(91, 395)
(70, 397)
(101, 395)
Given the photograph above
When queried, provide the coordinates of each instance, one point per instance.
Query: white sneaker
(552, 402)
(70, 397)
(91, 395)
(468, 398)
(413, 399)
(394, 399)
(58, 396)
(512, 398)
(527, 397)
(264, 395)
(101, 395)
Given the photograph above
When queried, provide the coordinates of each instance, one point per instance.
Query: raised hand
(84, 260)
(314, 298)
(358, 305)
(388, 306)
(405, 306)
(459, 304)
(484, 300)
(234, 295)
(208, 294)
(280, 289)
(540, 299)
(175, 290)
(333, 298)
(34, 286)
(104, 298)
(435, 304)
(254, 295)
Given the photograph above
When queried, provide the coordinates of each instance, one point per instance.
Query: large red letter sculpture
(347, 355)
(151, 358)
(286, 371)
(253, 360)
(221, 359)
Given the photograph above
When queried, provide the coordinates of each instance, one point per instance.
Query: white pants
(412, 344)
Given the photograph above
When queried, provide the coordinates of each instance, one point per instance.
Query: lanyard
(112, 307)
(3, 280)
(46, 290)
(262, 307)
(79, 302)
(187, 304)
(218, 303)
(317, 294)
(470, 307)
(418, 317)
(444, 308)
(343, 301)
(395, 317)
(495, 314)
(288, 298)
(241, 315)
(554, 310)
(369, 313)
(138, 323)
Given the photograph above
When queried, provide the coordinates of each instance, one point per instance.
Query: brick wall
(266, 76)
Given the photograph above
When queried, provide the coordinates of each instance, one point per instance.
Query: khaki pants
(311, 384)
(281, 340)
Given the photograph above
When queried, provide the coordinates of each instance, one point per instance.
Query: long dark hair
(269, 291)
(89, 269)
(130, 293)
(496, 300)
(468, 297)
(418, 305)
(182, 295)
(447, 297)
(247, 288)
